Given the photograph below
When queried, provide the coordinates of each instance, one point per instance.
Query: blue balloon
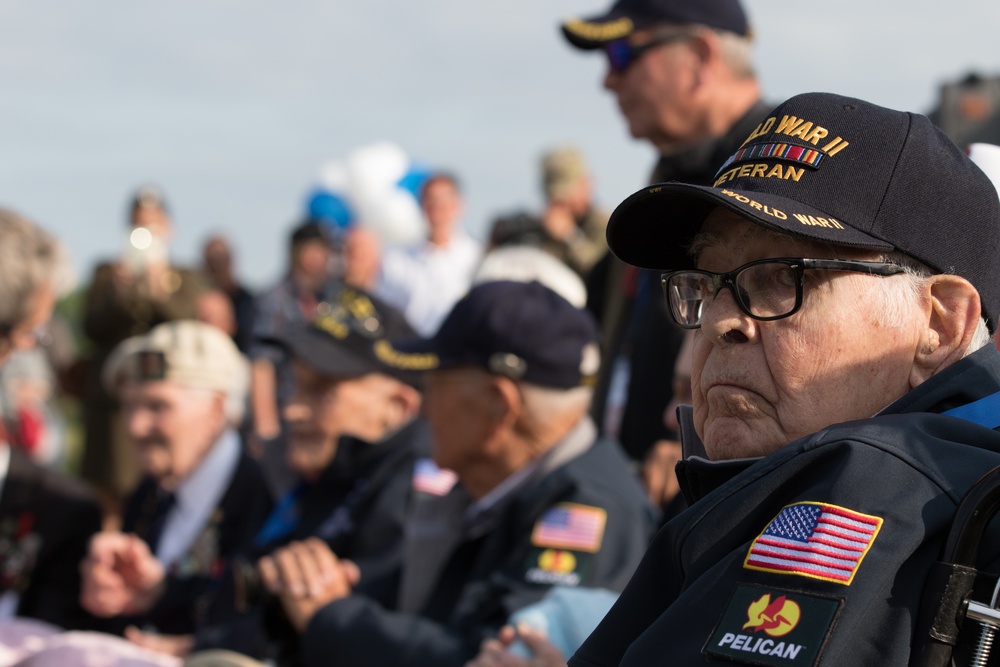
(414, 179)
(330, 208)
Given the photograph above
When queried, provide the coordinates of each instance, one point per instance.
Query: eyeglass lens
(768, 290)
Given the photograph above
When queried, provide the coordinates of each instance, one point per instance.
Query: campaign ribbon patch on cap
(571, 526)
(770, 626)
(807, 146)
(814, 540)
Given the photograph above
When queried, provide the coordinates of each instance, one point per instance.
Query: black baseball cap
(343, 340)
(836, 170)
(627, 16)
(522, 330)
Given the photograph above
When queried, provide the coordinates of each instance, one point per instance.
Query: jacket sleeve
(356, 631)
(54, 594)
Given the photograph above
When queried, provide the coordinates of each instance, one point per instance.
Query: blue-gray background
(233, 106)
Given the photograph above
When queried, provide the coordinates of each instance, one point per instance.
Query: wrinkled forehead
(729, 234)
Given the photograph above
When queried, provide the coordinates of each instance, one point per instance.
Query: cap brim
(435, 354)
(654, 227)
(595, 31)
(323, 354)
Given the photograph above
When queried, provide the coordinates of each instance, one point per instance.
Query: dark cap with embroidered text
(841, 171)
(348, 337)
(521, 330)
(627, 16)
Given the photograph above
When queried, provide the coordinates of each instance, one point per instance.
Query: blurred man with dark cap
(291, 301)
(682, 74)
(541, 499)
(842, 280)
(46, 519)
(360, 450)
(128, 297)
(202, 499)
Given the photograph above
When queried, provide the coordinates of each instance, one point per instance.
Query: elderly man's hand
(120, 576)
(495, 653)
(658, 474)
(307, 576)
(178, 646)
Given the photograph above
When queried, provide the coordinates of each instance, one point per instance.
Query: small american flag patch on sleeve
(570, 526)
(429, 478)
(814, 540)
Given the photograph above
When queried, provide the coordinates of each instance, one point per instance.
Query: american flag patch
(814, 540)
(570, 526)
(428, 478)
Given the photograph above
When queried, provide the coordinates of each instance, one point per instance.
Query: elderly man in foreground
(843, 276)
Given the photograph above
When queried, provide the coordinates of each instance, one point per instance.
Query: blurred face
(217, 259)
(154, 219)
(322, 409)
(459, 406)
(361, 258)
(312, 261)
(759, 385)
(442, 207)
(656, 93)
(172, 427)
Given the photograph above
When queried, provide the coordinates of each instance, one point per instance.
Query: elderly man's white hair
(29, 258)
(524, 263)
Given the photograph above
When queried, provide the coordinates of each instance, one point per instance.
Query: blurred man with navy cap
(684, 80)
(842, 278)
(360, 450)
(541, 500)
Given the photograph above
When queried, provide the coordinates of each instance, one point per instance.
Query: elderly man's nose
(722, 320)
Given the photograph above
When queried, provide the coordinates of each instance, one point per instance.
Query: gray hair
(29, 259)
(893, 310)
(736, 49)
(544, 404)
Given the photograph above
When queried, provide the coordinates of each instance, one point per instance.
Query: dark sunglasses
(621, 54)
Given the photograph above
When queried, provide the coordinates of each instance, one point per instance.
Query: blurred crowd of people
(396, 432)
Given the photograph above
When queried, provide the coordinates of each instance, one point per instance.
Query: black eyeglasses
(621, 54)
(768, 289)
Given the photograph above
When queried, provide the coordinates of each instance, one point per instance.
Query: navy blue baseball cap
(835, 170)
(344, 339)
(522, 330)
(627, 16)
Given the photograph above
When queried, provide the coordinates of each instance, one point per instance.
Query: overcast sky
(232, 106)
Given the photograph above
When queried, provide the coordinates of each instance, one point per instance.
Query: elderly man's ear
(952, 310)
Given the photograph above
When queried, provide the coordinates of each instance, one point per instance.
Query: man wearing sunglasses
(684, 81)
(842, 278)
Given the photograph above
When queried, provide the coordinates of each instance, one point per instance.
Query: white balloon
(396, 218)
(333, 177)
(987, 158)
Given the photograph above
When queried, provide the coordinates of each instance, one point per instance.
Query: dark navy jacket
(499, 563)
(358, 507)
(46, 522)
(815, 554)
(229, 531)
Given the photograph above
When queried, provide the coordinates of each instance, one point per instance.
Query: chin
(724, 444)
